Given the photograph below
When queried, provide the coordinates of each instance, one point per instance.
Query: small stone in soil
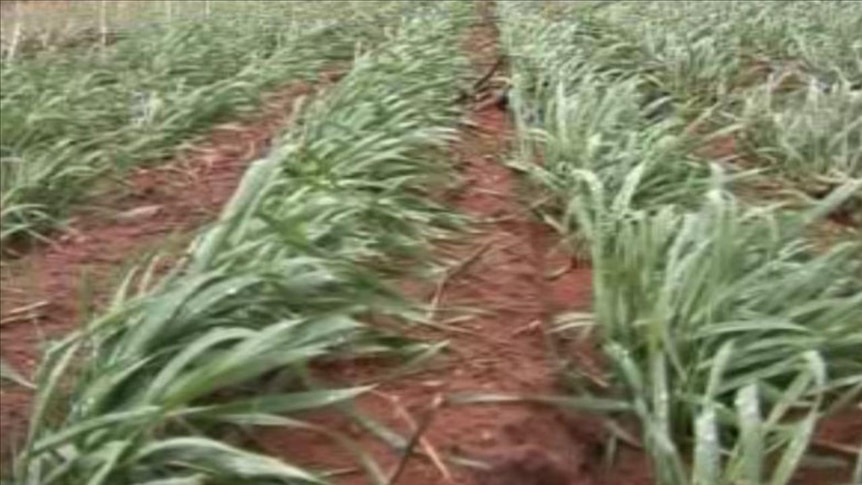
(139, 213)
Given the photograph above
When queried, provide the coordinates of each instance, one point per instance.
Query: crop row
(784, 79)
(146, 392)
(77, 116)
(729, 332)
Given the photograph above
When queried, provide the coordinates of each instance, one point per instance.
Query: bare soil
(504, 272)
(502, 351)
(838, 443)
(504, 263)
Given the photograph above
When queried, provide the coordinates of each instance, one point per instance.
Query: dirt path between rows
(501, 272)
(504, 270)
(46, 292)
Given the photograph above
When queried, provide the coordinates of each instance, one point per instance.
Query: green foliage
(729, 332)
(73, 117)
(809, 136)
(297, 259)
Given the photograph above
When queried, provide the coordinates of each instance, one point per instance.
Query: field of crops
(729, 332)
(492, 243)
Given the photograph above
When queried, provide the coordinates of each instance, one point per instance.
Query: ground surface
(504, 272)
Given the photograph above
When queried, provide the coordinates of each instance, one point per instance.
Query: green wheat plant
(71, 118)
(729, 333)
(812, 135)
(147, 392)
(710, 313)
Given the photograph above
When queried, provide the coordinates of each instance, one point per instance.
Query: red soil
(502, 350)
(171, 199)
(839, 440)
